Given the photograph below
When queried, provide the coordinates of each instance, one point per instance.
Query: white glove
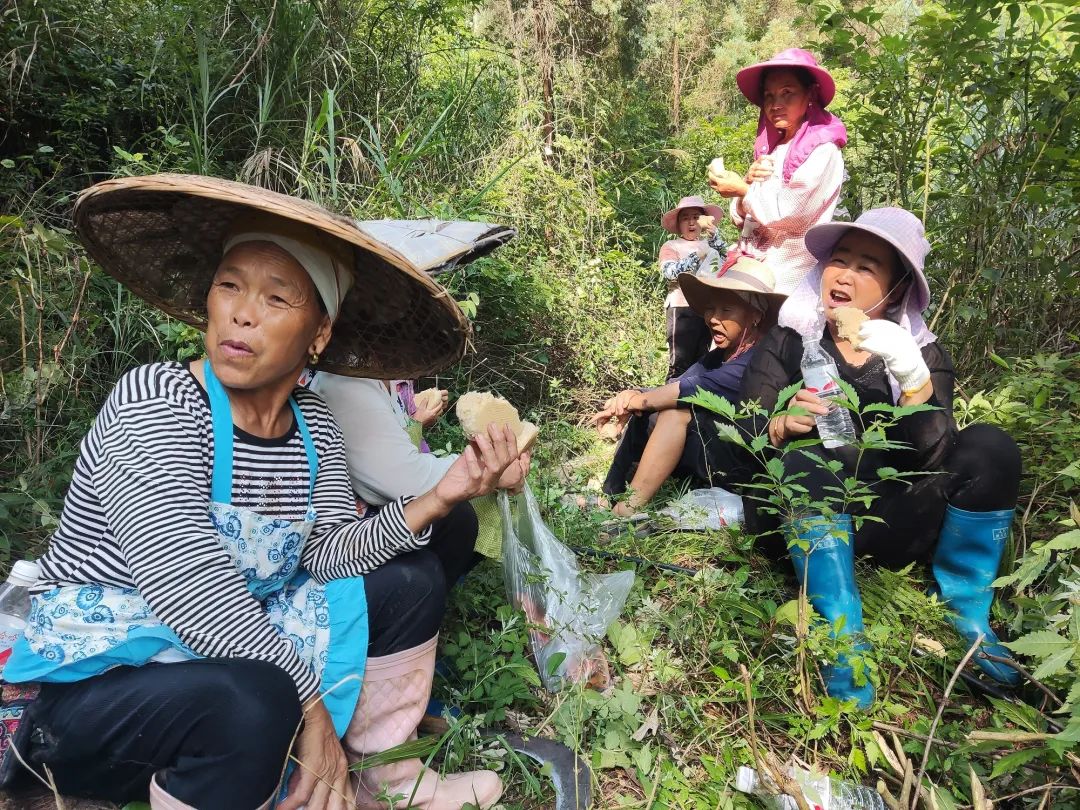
(895, 345)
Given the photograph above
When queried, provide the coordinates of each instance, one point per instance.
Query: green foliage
(491, 673)
(779, 492)
(966, 113)
(963, 111)
(1038, 401)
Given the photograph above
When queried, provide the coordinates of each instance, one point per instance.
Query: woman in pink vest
(794, 182)
(698, 249)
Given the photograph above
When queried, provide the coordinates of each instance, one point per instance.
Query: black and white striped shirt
(136, 514)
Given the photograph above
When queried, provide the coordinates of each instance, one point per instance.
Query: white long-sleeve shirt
(384, 464)
(779, 214)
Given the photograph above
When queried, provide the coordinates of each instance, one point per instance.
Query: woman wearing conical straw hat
(210, 583)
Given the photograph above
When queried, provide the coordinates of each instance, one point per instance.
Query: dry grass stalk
(941, 710)
(770, 766)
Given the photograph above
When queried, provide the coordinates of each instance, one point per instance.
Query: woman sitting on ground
(661, 436)
(211, 584)
(381, 423)
(697, 249)
(960, 517)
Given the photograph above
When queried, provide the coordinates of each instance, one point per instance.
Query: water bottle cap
(24, 573)
(745, 779)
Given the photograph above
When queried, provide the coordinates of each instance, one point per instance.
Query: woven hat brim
(161, 236)
(700, 291)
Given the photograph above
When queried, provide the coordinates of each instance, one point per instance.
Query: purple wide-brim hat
(901, 229)
(670, 221)
(749, 78)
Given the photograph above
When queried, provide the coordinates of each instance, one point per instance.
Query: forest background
(579, 122)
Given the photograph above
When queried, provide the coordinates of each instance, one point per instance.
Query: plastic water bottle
(819, 376)
(15, 605)
(823, 793)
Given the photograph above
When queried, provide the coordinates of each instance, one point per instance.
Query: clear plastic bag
(568, 611)
(701, 509)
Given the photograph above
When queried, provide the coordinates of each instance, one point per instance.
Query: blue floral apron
(78, 631)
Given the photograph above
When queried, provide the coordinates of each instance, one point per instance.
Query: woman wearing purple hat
(795, 180)
(958, 517)
(687, 335)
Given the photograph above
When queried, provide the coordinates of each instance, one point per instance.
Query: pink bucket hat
(749, 78)
(670, 221)
(901, 229)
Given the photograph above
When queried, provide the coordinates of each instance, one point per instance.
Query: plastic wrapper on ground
(568, 610)
(701, 509)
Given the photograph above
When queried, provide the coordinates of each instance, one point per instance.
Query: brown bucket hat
(745, 276)
(162, 237)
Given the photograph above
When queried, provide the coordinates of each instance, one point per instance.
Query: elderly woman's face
(785, 100)
(729, 317)
(861, 272)
(264, 317)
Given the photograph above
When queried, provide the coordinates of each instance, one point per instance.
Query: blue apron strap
(309, 447)
(221, 414)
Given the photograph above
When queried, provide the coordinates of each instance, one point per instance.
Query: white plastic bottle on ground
(819, 377)
(823, 793)
(15, 605)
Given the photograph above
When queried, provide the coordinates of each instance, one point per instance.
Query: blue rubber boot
(829, 570)
(966, 562)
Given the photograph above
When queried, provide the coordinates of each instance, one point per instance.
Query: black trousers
(706, 459)
(216, 731)
(688, 338)
(980, 474)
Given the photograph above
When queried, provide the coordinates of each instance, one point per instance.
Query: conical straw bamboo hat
(161, 236)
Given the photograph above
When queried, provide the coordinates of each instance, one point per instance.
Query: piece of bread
(705, 221)
(848, 322)
(476, 410)
(429, 398)
(717, 166)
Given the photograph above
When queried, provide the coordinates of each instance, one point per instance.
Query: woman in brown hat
(661, 435)
(210, 584)
(697, 249)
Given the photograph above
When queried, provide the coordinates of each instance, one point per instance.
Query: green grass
(675, 727)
